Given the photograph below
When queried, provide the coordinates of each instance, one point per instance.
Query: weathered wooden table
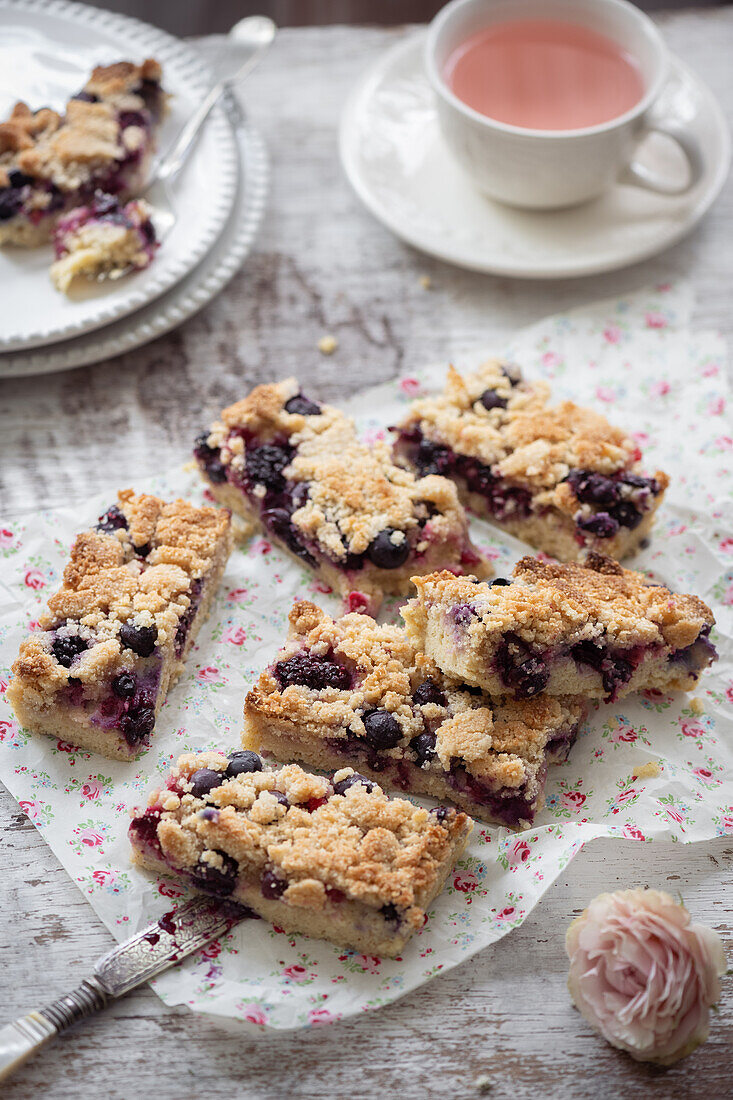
(322, 265)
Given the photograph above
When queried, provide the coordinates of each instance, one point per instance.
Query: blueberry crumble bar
(103, 240)
(332, 858)
(589, 628)
(363, 524)
(352, 692)
(115, 636)
(560, 477)
(50, 163)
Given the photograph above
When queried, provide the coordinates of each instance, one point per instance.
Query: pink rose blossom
(91, 838)
(237, 636)
(465, 883)
(295, 973)
(92, 790)
(519, 852)
(655, 320)
(209, 675)
(725, 442)
(237, 595)
(604, 394)
(728, 597)
(255, 1016)
(550, 359)
(660, 389)
(410, 386)
(716, 406)
(30, 809)
(34, 578)
(726, 545)
(369, 963)
(711, 370)
(727, 822)
(320, 1016)
(643, 975)
(168, 891)
(612, 334)
(6, 537)
(633, 833)
(702, 773)
(573, 799)
(506, 914)
(729, 693)
(689, 729)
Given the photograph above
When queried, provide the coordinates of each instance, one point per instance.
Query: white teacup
(545, 169)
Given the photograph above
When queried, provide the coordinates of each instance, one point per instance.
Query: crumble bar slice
(591, 629)
(364, 525)
(50, 163)
(352, 692)
(115, 637)
(336, 859)
(558, 476)
(104, 240)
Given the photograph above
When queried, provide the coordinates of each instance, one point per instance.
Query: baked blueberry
(242, 762)
(65, 650)
(343, 785)
(205, 780)
(140, 639)
(603, 525)
(423, 746)
(265, 465)
(302, 405)
(124, 685)
(272, 884)
(382, 730)
(137, 723)
(428, 692)
(112, 520)
(217, 880)
(490, 399)
(311, 672)
(387, 553)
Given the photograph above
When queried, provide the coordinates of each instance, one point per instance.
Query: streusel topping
(549, 605)
(354, 492)
(500, 741)
(523, 438)
(375, 849)
(69, 150)
(138, 573)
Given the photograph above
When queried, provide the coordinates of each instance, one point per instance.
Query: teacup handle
(636, 173)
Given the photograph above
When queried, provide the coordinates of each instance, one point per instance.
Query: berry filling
(312, 672)
(503, 500)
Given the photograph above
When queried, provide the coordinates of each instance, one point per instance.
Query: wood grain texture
(323, 265)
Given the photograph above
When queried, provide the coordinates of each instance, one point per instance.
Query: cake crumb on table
(650, 770)
(327, 344)
(425, 282)
(697, 706)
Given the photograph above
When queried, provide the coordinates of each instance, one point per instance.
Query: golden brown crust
(550, 605)
(502, 742)
(531, 444)
(349, 494)
(105, 584)
(69, 151)
(375, 850)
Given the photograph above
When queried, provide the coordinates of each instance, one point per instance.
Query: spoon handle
(174, 159)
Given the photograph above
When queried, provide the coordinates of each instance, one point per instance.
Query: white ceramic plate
(401, 169)
(182, 301)
(47, 50)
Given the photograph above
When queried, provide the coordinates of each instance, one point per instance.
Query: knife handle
(20, 1040)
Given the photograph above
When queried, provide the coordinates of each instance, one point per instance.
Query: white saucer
(399, 166)
(47, 50)
(186, 298)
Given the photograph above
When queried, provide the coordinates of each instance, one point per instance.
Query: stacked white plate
(47, 50)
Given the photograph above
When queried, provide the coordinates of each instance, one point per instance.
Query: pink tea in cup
(544, 75)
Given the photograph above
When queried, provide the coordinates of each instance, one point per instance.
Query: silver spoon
(254, 33)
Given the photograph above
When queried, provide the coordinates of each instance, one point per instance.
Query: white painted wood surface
(323, 265)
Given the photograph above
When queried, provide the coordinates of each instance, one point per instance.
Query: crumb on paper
(327, 344)
(425, 282)
(696, 706)
(483, 1083)
(650, 770)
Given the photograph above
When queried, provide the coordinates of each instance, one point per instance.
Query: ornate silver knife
(172, 938)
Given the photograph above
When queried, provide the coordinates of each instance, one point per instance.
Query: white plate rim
(573, 267)
(180, 302)
(151, 40)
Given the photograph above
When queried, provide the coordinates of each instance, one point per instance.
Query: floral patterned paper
(647, 767)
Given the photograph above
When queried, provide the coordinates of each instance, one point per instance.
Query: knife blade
(172, 938)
